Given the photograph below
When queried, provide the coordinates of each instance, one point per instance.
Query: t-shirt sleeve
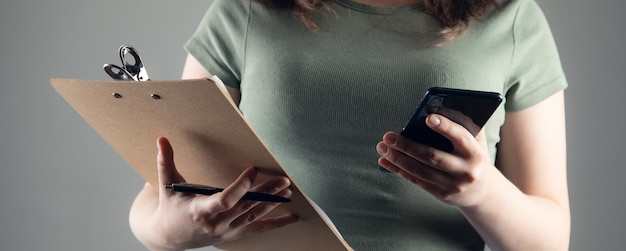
(219, 41)
(536, 71)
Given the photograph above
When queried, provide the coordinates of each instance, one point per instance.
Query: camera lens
(435, 101)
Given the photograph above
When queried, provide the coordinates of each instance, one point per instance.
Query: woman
(322, 81)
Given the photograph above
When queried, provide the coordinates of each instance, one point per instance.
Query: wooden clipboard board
(212, 144)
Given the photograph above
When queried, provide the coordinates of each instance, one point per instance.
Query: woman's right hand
(165, 220)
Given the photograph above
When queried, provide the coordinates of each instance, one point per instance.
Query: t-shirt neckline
(374, 9)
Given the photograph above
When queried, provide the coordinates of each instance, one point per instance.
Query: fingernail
(382, 148)
(434, 120)
(390, 139)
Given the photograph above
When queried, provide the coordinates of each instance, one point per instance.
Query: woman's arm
(194, 70)
(521, 205)
(530, 209)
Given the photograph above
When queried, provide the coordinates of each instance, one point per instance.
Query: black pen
(208, 190)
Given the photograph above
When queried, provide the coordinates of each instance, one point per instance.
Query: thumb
(165, 165)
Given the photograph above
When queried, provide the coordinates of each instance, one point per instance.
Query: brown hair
(454, 15)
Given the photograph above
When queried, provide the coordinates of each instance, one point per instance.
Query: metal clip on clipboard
(129, 71)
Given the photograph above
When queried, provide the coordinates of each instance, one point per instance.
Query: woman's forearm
(512, 220)
(140, 215)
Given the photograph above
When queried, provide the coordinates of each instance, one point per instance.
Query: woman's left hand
(459, 178)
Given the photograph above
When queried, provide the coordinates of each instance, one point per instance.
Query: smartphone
(469, 108)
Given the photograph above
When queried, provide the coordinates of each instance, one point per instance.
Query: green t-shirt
(322, 100)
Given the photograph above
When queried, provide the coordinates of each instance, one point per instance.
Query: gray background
(63, 188)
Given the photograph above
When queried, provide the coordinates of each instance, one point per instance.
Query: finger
(416, 151)
(228, 198)
(258, 211)
(412, 169)
(470, 149)
(273, 185)
(266, 224)
(428, 186)
(278, 186)
(166, 169)
(462, 140)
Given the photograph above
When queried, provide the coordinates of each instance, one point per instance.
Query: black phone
(469, 108)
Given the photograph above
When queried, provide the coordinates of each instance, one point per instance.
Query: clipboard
(212, 144)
